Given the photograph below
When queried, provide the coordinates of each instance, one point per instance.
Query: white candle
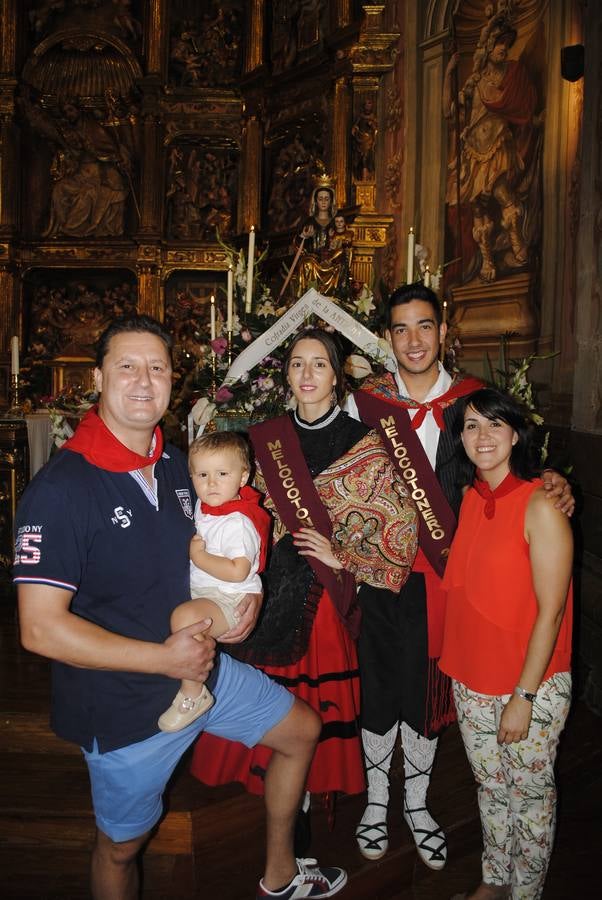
(250, 261)
(410, 261)
(14, 355)
(230, 298)
(427, 277)
(212, 317)
(444, 312)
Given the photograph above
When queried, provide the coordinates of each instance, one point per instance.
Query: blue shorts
(128, 783)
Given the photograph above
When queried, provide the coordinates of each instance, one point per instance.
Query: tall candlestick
(445, 312)
(229, 311)
(212, 317)
(250, 261)
(410, 261)
(14, 355)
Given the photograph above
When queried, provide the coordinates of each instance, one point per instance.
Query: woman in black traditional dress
(341, 515)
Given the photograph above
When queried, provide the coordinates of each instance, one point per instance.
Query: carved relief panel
(205, 42)
(79, 105)
(201, 190)
(63, 314)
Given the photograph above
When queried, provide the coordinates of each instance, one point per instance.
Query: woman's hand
(515, 720)
(310, 543)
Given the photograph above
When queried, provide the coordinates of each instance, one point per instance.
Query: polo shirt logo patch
(121, 517)
(185, 499)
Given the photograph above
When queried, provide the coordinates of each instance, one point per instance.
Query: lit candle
(212, 317)
(14, 355)
(250, 261)
(445, 312)
(410, 262)
(230, 297)
(427, 277)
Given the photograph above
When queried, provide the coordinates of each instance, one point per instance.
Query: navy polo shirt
(98, 534)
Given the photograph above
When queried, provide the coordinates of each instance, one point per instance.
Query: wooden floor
(210, 843)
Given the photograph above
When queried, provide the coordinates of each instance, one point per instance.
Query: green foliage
(512, 376)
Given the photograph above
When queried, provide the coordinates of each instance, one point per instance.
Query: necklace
(325, 420)
(318, 446)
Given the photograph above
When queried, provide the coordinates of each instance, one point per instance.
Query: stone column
(340, 139)
(433, 162)
(249, 209)
(151, 175)
(156, 37)
(149, 290)
(254, 33)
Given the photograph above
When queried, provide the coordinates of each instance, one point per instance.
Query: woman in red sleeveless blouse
(507, 642)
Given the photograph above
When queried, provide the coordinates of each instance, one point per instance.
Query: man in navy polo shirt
(101, 560)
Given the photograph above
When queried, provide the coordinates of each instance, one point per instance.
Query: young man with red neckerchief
(400, 640)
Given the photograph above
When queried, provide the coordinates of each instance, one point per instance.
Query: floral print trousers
(516, 793)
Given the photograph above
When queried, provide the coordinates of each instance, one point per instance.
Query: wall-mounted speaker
(572, 62)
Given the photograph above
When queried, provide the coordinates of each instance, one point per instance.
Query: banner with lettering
(311, 303)
(437, 520)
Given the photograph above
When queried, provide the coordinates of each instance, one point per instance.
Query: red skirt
(327, 678)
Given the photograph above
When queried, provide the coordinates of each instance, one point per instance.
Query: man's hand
(557, 488)
(190, 653)
(247, 610)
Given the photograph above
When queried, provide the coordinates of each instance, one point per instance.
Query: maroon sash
(296, 498)
(437, 520)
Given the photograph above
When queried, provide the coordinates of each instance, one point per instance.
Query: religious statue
(90, 170)
(325, 244)
(493, 178)
(363, 133)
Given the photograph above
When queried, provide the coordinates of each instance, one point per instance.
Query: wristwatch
(526, 695)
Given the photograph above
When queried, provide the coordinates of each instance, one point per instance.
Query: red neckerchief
(99, 446)
(247, 504)
(385, 388)
(438, 404)
(509, 483)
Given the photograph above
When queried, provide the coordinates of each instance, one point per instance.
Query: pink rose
(223, 394)
(219, 346)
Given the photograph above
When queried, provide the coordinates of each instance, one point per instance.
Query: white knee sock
(418, 757)
(371, 833)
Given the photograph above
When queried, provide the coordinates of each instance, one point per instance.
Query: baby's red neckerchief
(247, 504)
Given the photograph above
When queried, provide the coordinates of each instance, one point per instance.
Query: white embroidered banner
(311, 303)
